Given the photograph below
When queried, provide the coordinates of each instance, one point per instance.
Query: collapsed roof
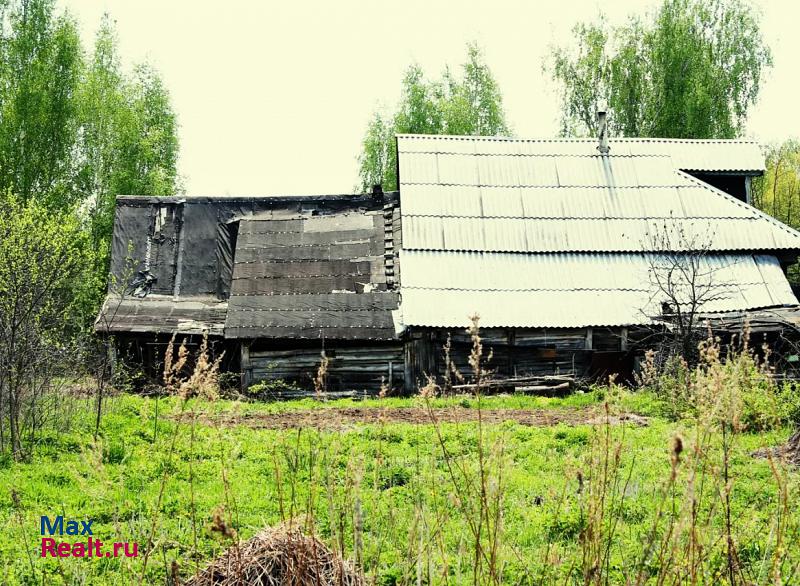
(313, 267)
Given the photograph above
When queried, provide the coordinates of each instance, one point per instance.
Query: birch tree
(692, 69)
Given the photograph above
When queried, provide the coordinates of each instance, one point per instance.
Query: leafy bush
(736, 387)
(229, 383)
(272, 388)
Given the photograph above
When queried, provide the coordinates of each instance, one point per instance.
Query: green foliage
(737, 387)
(40, 69)
(409, 512)
(43, 260)
(691, 70)
(76, 132)
(777, 192)
(269, 389)
(672, 385)
(467, 105)
(43, 287)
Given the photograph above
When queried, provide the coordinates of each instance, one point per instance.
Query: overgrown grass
(379, 493)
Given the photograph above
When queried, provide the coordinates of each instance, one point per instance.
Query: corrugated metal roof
(531, 171)
(441, 289)
(460, 201)
(588, 224)
(686, 201)
(690, 155)
(593, 235)
(493, 271)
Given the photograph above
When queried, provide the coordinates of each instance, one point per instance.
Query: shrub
(735, 387)
(272, 388)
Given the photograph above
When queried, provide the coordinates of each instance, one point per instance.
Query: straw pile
(281, 556)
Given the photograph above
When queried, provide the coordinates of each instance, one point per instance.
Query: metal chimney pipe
(602, 129)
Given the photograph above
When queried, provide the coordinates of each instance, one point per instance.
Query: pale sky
(274, 97)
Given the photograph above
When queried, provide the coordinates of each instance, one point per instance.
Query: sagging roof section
(319, 277)
(255, 267)
(549, 233)
(162, 314)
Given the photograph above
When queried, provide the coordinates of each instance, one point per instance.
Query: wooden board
(321, 301)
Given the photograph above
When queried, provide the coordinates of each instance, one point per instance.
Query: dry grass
(281, 556)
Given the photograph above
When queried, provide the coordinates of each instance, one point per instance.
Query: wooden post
(246, 366)
(748, 189)
(623, 340)
(589, 341)
(511, 338)
(408, 352)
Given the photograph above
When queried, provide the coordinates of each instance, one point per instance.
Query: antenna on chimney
(602, 128)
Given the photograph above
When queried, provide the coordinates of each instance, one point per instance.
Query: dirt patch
(789, 452)
(334, 419)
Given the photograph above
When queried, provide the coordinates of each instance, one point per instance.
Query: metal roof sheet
(592, 227)
(457, 201)
(687, 201)
(441, 289)
(593, 234)
(545, 171)
(694, 155)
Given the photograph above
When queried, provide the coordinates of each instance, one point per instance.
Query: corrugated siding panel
(556, 309)
(422, 167)
(571, 290)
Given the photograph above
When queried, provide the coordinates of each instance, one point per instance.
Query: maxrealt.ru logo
(90, 547)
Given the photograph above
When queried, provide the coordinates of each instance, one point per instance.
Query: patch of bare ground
(338, 418)
(789, 452)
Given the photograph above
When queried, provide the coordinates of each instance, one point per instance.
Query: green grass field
(383, 492)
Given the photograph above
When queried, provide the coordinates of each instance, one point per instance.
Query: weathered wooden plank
(322, 301)
(358, 351)
(315, 268)
(311, 319)
(339, 333)
(337, 251)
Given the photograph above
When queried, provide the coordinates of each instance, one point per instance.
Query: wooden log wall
(514, 352)
(352, 369)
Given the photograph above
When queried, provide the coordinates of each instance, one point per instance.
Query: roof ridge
(577, 139)
(543, 155)
(572, 218)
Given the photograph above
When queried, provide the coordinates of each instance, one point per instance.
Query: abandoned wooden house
(556, 244)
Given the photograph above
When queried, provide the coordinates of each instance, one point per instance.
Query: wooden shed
(552, 242)
(274, 281)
